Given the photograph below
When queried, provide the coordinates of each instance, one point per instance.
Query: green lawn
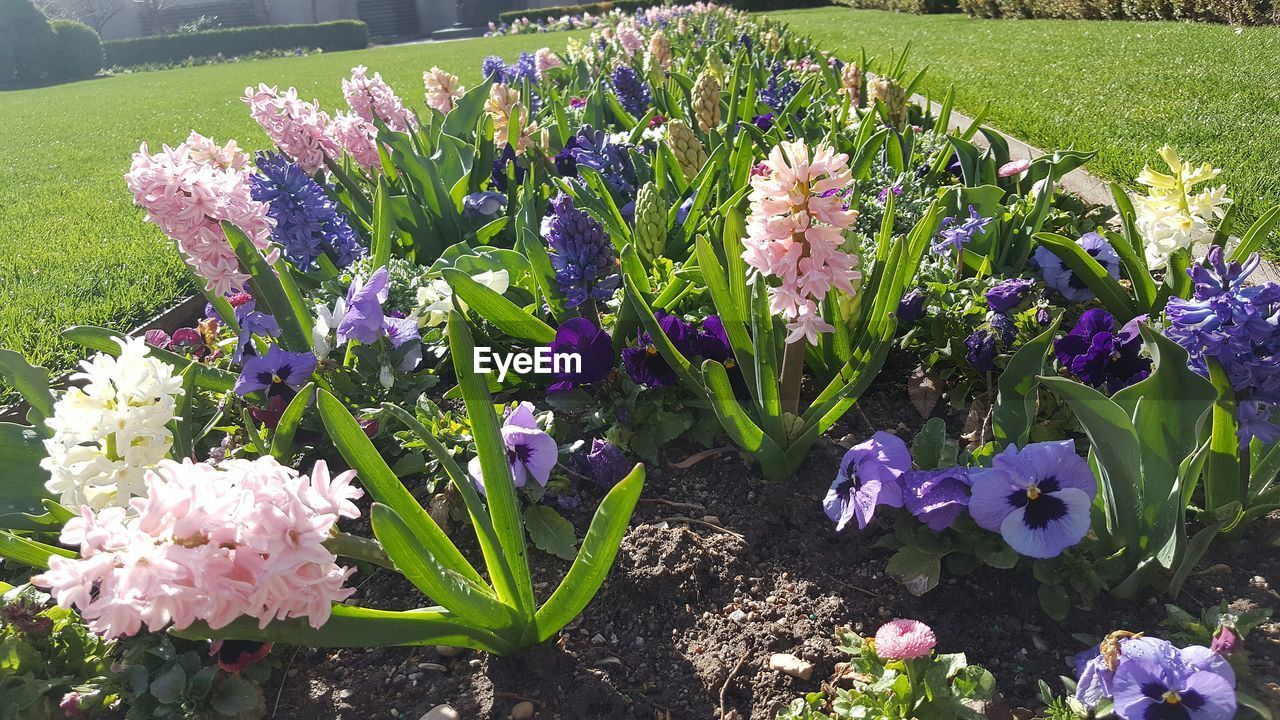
(73, 248)
(1122, 88)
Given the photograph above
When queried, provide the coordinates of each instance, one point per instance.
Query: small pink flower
(904, 640)
(1013, 167)
(296, 126)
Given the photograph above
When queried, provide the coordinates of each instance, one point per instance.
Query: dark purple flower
(275, 371)
(236, 655)
(252, 323)
(764, 122)
(1098, 354)
(1059, 277)
(157, 339)
(870, 475)
(911, 308)
(594, 348)
(581, 253)
(493, 67)
(1043, 317)
(776, 93)
(883, 195)
(1002, 325)
(1005, 295)
(632, 92)
(565, 162)
(187, 340)
(592, 148)
(606, 463)
(577, 103)
(953, 235)
(1037, 497)
(936, 497)
(484, 206)
(982, 350)
(364, 319)
(713, 341)
(499, 175)
(645, 365)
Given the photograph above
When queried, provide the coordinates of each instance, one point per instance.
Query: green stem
(358, 548)
(792, 371)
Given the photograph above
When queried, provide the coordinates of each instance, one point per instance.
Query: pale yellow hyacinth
(510, 118)
(1171, 217)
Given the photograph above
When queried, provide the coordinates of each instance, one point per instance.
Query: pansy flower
(594, 348)
(531, 452)
(869, 476)
(1059, 277)
(274, 372)
(1099, 354)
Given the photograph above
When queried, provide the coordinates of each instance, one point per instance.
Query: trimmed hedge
(552, 13)
(919, 7)
(27, 44)
(79, 50)
(230, 42)
(1235, 12)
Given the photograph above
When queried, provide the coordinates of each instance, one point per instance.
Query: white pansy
(435, 299)
(1172, 217)
(110, 432)
(326, 326)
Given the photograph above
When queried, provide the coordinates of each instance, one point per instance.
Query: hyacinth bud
(659, 57)
(706, 101)
(851, 83)
(892, 96)
(773, 41)
(651, 222)
(686, 147)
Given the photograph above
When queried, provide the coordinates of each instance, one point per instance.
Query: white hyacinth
(1171, 216)
(107, 434)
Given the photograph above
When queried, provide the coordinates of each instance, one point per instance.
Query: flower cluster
(795, 233)
(954, 234)
(596, 150)
(443, 90)
(1237, 326)
(371, 97)
(581, 253)
(632, 92)
(1099, 354)
(210, 544)
(511, 126)
(110, 431)
(298, 128)
(1147, 677)
(188, 191)
(1171, 216)
(307, 222)
(358, 137)
(360, 317)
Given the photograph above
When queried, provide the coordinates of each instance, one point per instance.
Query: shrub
(920, 7)
(629, 6)
(1235, 12)
(26, 44)
(329, 36)
(78, 50)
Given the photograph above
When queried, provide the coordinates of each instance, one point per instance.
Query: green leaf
(918, 571)
(31, 382)
(1015, 407)
(170, 685)
(234, 696)
(416, 560)
(383, 225)
(1257, 234)
(287, 428)
(504, 314)
(1054, 601)
(29, 552)
(269, 291)
(927, 445)
(599, 548)
(22, 487)
(1223, 482)
(550, 532)
(1090, 271)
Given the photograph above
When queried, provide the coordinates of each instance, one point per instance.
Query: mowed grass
(1122, 88)
(73, 247)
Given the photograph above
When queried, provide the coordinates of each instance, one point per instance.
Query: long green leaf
(268, 291)
(287, 428)
(1015, 407)
(1222, 478)
(29, 552)
(1092, 274)
(504, 314)
(22, 479)
(31, 382)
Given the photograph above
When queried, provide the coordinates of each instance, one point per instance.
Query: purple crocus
(936, 497)
(364, 318)
(1059, 277)
(870, 475)
(1037, 497)
(953, 235)
(594, 348)
(581, 253)
(531, 452)
(275, 371)
(1005, 295)
(982, 350)
(645, 365)
(1151, 690)
(1100, 355)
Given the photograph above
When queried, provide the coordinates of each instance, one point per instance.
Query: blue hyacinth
(592, 148)
(581, 253)
(526, 68)
(778, 95)
(307, 222)
(493, 67)
(633, 94)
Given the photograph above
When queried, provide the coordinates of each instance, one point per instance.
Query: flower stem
(358, 548)
(792, 370)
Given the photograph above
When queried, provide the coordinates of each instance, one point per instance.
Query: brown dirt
(662, 640)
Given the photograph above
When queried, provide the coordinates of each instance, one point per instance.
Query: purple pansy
(645, 365)
(763, 122)
(713, 341)
(869, 476)
(401, 331)
(1005, 295)
(1146, 689)
(605, 463)
(1099, 354)
(1037, 497)
(364, 318)
(531, 452)
(275, 371)
(982, 350)
(936, 497)
(591, 344)
(252, 323)
(911, 308)
(484, 206)
(1059, 277)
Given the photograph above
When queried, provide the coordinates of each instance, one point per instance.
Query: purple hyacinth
(1239, 327)
(869, 476)
(307, 223)
(581, 253)
(1059, 277)
(525, 69)
(642, 361)
(1037, 497)
(275, 372)
(494, 68)
(592, 148)
(593, 346)
(982, 350)
(364, 318)
(953, 234)
(936, 497)
(1007, 294)
(778, 93)
(1100, 355)
(632, 92)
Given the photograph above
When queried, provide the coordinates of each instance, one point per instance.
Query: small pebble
(738, 616)
(415, 677)
(788, 664)
(522, 711)
(441, 712)
(598, 639)
(449, 651)
(433, 667)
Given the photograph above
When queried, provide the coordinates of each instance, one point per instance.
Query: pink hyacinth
(545, 60)
(630, 39)
(795, 232)
(210, 544)
(188, 191)
(297, 127)
(358, 137)
(904, 640)
(1013, 167)
(443, 90)
(372, 96)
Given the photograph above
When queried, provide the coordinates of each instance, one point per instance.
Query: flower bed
(759, 329)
